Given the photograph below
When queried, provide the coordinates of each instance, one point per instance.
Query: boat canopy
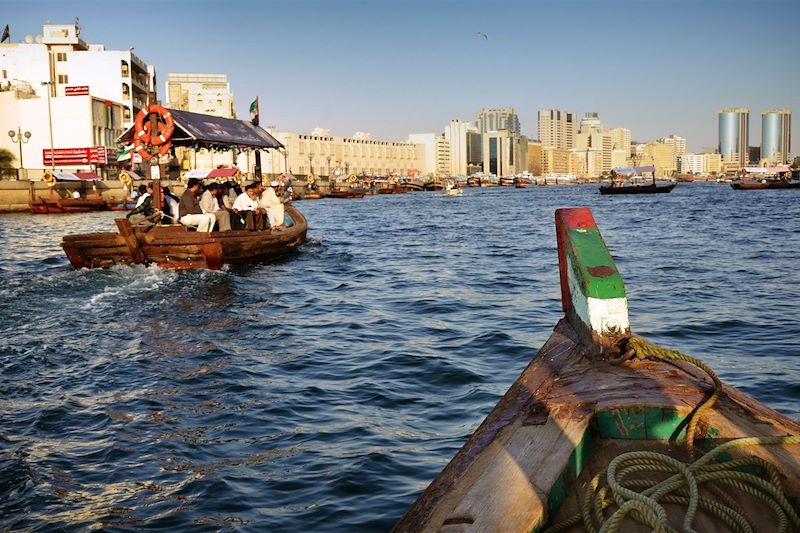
(634, 170)
(224, 173)
(767, 170)
(195, 130)
(199, 173)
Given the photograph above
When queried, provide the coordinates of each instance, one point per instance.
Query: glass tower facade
(733, 135)
(776, 135)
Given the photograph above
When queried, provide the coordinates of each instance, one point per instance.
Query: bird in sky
(482, 34)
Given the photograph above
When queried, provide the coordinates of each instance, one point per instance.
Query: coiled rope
(629, 484)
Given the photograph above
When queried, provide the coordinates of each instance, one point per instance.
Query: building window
(63, 78)
(124, 68)
(126, 92)
(61, 56)
(127, 113)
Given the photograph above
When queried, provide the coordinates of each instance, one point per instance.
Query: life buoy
(49, 179)
(164, 129)
(141, 149)
(125, 179)
(351, 178)
(309, 179)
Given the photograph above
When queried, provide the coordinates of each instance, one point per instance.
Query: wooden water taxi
(604, 431)
(53, 203)
(753, 178)
(629, 181)
(178, 247)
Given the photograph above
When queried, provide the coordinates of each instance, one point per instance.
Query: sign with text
(93, 155)
(76, 90)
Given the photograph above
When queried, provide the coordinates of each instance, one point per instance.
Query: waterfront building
(678, 145)
(535, 157)
(620, 158)
(82, 137)
(700, 164)
(662, 156)
(323, 154)
(622, 139)
(208, 94)
(465, 147)
(592, 135)
(505, 153)
(557, 128)
(776, 137)
(555, 160)
(435, 154)
(63, 63)
(734, 125)
(498, 119)
(586, 162)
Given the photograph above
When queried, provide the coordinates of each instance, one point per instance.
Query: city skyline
(396, 68)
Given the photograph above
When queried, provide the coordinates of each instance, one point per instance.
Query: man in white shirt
(246, 207)
(209, 204)
(144, 192)
(189, 207)
(274, 205)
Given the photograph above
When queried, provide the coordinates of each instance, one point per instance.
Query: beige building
(622, 139)
(555, 160)
(705, 164)
(593, 136)
(662, 156)
(535, 157)
(465, 147)
(323, 154)
(557, 128)
(498, 119)
(505, 153)
(436, 153)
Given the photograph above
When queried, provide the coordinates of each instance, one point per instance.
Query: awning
(71, 176)
(634, 170)
(195, 130)
(199, 173)
(224, 173)
(133, 175)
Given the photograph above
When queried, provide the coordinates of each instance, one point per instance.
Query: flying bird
(482, 34)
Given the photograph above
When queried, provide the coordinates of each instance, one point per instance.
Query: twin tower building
(734, 140)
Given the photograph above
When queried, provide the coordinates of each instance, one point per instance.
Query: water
(326, 391)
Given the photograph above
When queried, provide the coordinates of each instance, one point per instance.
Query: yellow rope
(642, 499)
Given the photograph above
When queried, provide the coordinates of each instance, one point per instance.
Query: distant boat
(766, 178)
(629, 180)
(55, 204)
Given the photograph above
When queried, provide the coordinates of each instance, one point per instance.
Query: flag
(6, 35)
(254, 112)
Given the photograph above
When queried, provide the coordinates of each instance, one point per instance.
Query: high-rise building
(498, 119)
(63, 63)
(776, 136)
(622, 139)
(506, 153)
(557, 128)
(465, 147)
(734, 127)
(209, 94)
(592, 135)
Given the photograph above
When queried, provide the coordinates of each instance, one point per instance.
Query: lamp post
(19, 138)
(310, 166)
(48, 84)
(329, 164)
(346, 168)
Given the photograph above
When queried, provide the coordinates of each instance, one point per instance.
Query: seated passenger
(209, 204)
(246, 207)
(170, 206)
(145, 214)
(189, 207)
(143, 191)
(273, 204)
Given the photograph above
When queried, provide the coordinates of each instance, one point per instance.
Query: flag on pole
(254, 112)
(6, 35)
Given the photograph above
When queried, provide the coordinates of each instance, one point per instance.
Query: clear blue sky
(408, 66)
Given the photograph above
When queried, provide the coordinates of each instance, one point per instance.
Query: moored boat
(630, 180)
(604, 427)
(779, 177)
(53, 203)
(178, 247)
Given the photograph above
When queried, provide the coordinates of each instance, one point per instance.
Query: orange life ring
(164, 129)
(141, 149)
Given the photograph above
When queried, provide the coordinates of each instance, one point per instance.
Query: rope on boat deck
(682, 481)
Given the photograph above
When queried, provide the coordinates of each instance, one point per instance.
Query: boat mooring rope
(629, 484)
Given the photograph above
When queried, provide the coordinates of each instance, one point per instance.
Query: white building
(71, 66)
(436, 157)
(505, 153)
(85, 138)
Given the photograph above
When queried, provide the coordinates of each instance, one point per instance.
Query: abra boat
(780, 177)
(177, 247)
(540, 460)
(54, 204)
(634, 183)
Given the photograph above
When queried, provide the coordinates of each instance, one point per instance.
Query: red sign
(93, 155)
(76, 90)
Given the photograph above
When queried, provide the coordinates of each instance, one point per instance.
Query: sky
(396, 67)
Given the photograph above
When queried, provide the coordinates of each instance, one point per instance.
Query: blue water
(324, 392)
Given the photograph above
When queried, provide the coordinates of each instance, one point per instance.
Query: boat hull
(176, 247)
(637, 189)
(774, 184)
(46, 206)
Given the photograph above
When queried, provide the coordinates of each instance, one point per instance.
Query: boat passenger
(273, 204)
(191, 212)
(247, 209)
(76, 194)
(209, 204)
(170, 205)
(143, 191)
(145, 214)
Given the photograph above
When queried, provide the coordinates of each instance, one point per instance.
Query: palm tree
(6, 158)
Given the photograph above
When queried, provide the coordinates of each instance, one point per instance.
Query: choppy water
(325, 391)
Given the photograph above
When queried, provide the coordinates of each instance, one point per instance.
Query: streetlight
(19, 138)
(310, 166)
(329, 164)
(48, 84)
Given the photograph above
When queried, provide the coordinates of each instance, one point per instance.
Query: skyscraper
(733, 135)
(498, 119)
(776, 136)
(557, 128)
